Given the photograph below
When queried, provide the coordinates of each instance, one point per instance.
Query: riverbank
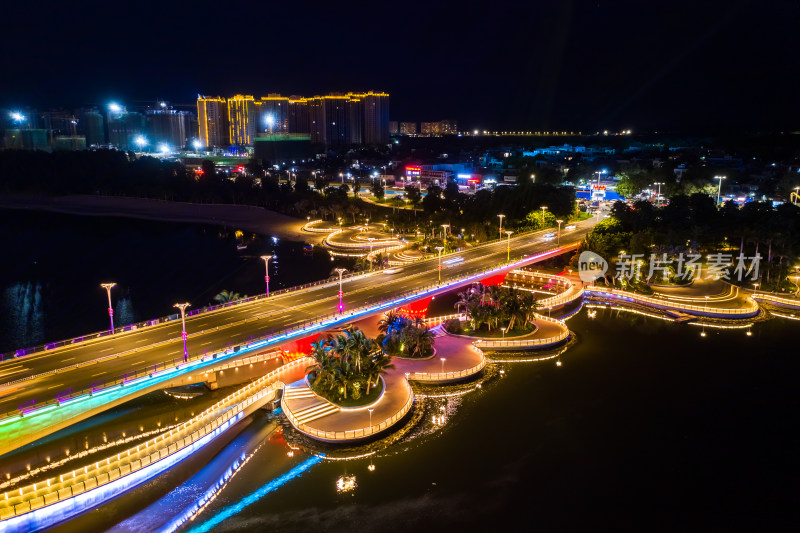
(245, 217)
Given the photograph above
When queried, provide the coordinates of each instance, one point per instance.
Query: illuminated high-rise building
(273, 113)
(242, 120)
(375, 113)
(298, 115)
(442, 127)
(212, 121)
(167, 126)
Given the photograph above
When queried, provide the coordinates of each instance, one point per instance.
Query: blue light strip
(253, 497)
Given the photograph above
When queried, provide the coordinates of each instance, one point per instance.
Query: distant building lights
(115, 107)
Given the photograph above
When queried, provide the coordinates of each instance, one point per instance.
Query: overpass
(50, 390)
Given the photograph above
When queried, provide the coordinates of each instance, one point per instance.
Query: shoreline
(246, 217)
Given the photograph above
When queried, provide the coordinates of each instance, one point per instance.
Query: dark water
(53, 265)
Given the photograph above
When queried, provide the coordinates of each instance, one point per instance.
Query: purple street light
(107, 287)
(183, 307)
(341, 304)
(266, 259)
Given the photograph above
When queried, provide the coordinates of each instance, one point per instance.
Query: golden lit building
(242, 120)
(212, 121)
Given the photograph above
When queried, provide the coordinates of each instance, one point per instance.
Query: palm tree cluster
(492, 306)
(225, 296)
(347, 365)
(404, 337)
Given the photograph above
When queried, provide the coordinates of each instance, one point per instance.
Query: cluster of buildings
(330, 120)
(426, 129)
(219, 123)
(159, 127)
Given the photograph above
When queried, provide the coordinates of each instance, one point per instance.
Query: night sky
(567, 65)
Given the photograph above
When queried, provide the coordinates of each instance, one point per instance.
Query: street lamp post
(719, 189)
(501, 217)
(443, 360)
(369, 257)
(266, 259)
(370, 416)
(440, 248)
(543, 208)
(558, 235)
(183, 307)
(508, 246)
(107, 287)
(341, 304)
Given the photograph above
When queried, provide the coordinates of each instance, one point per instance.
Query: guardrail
(572, 292)
(354, 433)
(290, 331)
(777, 300)
(494, 344)
(53, 490)
(439, 377)
(750, 308)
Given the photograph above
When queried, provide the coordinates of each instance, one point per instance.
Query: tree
(413, 194)
(377, 190)
(226, 296)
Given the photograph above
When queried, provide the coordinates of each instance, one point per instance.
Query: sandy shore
(244, 217)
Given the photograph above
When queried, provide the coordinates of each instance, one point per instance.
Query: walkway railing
(750, 308)
(571, 293)
(494, 344)
(204, 426)
(449, 376)
(777, 300)
(354, 433)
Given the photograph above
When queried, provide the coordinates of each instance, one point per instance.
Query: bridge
(50, 390)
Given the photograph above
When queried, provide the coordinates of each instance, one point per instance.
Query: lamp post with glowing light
(107, 287)
(558, 235)
(443, 360)
(501, 217)
(543, 208)
(341, 271)
(183, 307)
(719, 189)
(439, 249)
(508, 246)
(369, 257)
(266, 259)
(141, 142)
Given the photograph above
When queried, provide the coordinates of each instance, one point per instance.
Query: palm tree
(377, 368)
(226, 296)
(423, 342)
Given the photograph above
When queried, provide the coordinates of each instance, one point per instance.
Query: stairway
(316, 410)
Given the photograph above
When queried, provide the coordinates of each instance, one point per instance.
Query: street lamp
(501, 217)
(183, 307)
(141, 142)
(719, 189)
(370, 416)
(107, 287)
(440, 248)
(508, 247)
(340, 272)
(266, 259)
(443, 360)
(543, 208)
(370, 239)
(197, 144)
(558, 242)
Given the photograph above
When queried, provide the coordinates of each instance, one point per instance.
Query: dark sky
(566, 64)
